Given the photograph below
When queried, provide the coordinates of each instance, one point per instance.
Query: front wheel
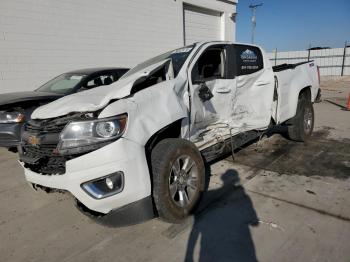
(302, 124)
(178, 178)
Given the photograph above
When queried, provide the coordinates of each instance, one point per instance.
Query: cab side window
(210, 65)
(248, 59)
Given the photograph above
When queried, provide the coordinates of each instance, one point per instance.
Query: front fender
(149, 111)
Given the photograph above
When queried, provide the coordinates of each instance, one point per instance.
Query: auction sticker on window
(248, 56)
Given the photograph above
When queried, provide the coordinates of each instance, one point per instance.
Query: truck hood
(18, 97)
(94, 99)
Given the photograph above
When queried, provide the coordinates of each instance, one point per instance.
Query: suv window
(105, 79)
(249, 59)
(62, 84)
(210, 65)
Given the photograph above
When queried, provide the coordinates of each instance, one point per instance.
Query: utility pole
(253, 8)
(343, 62)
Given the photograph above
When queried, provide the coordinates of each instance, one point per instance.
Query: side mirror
(204, 92)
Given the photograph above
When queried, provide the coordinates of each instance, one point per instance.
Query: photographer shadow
(222, 228)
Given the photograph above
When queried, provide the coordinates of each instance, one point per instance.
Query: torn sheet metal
(94, 99)
(243, 103)
(252, 104)
(150, 110)
(238, 105)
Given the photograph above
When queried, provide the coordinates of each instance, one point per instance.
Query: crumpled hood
(94, 99)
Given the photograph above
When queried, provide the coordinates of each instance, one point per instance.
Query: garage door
(201, 24)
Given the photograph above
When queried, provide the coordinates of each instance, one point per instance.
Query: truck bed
(292, 78)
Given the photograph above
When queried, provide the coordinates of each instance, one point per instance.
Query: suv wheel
(178, 178)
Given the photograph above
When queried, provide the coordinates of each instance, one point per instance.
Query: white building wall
(40, 39)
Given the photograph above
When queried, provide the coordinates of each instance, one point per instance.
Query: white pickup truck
(136, 149)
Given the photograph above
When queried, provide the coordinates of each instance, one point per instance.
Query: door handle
(222, 90)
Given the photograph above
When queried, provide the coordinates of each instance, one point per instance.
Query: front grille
(53, 125)
(37, 127)
(42, 151)
(44, 158)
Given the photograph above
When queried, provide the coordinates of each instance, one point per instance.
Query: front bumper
(10, 134)
(131, 214)
(122, 155)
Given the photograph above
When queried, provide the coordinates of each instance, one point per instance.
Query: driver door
(212, 88)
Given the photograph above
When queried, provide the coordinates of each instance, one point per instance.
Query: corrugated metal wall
(329, 60)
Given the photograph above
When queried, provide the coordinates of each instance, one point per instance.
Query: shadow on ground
(221, 228)
(222, 231)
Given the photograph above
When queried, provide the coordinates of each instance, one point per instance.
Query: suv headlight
(88, 133)
(11, 117)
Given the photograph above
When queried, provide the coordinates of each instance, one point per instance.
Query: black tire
(302, 124)
(166, 156)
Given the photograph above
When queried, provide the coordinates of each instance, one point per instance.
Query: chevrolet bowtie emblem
(33, 140)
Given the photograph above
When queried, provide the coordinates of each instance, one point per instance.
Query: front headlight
(87, 133)
(11, 117)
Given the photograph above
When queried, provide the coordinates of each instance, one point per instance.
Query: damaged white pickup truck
(136, 148)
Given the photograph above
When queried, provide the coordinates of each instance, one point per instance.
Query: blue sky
(293, 25)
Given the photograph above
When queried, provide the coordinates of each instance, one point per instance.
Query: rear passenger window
(249, 59)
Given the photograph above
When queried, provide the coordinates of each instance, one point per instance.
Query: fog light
(105, 186)
(109, 183)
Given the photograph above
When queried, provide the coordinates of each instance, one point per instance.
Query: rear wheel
(302, 124)
(178, 178)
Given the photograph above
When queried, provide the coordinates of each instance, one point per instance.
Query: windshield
(63, 84)
(177, 56)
